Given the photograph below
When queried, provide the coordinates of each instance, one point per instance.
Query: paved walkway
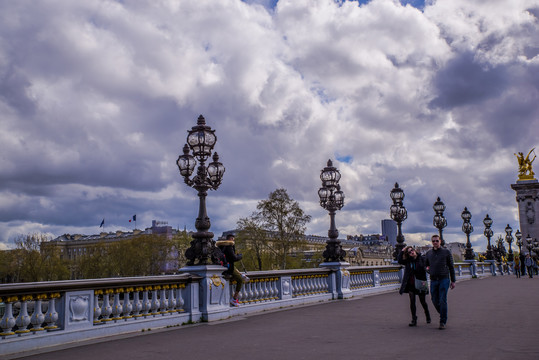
(491, 318)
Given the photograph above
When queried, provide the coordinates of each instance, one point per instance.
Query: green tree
(93, 263)
(252, 242)
(7, 266)
(283, 222)
(36, 260)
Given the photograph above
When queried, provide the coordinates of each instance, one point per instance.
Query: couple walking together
(438, 262)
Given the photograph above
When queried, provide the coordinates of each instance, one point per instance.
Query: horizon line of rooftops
(162, 228)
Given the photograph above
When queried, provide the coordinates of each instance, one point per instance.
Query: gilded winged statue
(525, 171)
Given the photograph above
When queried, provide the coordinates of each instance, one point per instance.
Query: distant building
(73, 246)
(366, 250)
(389, 230)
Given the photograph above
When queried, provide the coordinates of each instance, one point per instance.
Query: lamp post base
(213, 292)
(334, 252)
(339, 279)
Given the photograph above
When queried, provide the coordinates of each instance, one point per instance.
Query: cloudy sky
(96, 98)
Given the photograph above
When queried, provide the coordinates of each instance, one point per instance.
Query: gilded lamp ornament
(525, 171)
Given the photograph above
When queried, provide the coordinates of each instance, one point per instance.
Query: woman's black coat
(420, 272)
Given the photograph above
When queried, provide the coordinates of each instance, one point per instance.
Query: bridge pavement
(490, 318)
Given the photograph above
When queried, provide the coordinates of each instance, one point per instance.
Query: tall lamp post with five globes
(332, 199)
(439, 221)
(467, 228)
(487, 221)
(398, 213)
(200, 142)
(509, 239)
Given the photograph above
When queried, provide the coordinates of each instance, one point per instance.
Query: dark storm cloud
(464, 81)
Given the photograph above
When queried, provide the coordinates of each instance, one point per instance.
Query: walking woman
(414, 268)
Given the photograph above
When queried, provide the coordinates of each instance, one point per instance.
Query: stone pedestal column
(528, 208)
(473, 267)
(340, 283)
(214, 291)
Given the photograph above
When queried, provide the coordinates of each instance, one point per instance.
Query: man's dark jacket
(441, 264)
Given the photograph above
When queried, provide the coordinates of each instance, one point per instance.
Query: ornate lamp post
(439, 221)
(518, 235)
(487, 221)
(509, 239)
(398, 214)
(332, 199)
(467, 228)
(200, 141)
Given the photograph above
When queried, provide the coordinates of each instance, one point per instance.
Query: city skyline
(96, 98)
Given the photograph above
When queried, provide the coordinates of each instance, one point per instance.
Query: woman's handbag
(422, 285)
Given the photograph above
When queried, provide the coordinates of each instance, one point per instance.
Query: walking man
(439, 262)
(529, 265)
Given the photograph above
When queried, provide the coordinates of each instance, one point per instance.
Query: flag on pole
(102, 223)
(134, 218)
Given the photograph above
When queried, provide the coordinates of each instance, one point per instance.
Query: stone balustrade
(37, 315)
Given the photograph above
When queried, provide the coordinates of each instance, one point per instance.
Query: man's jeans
(438, 293)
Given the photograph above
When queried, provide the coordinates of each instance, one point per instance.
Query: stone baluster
(106, 309)
(275, 288)
(51, 317)
(250, 293)
(155, 301)
(179, 298)
(293, 287)
(316, 284)
(301, 285)
(310, 284)
(127, 307)
(163, 301)
(97, 308)
(172, 299)
(267, 289)
(8, 321)
(323, 284)
(325, 279)
(137, 304)
(23, 319)
(38, 318)
(241, 295)
(146, 303)
(262, 290)
(116, 305)
(354, 280)
(244, 294)
(259, 294)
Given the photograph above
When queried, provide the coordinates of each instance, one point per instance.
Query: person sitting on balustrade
(228, 247)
